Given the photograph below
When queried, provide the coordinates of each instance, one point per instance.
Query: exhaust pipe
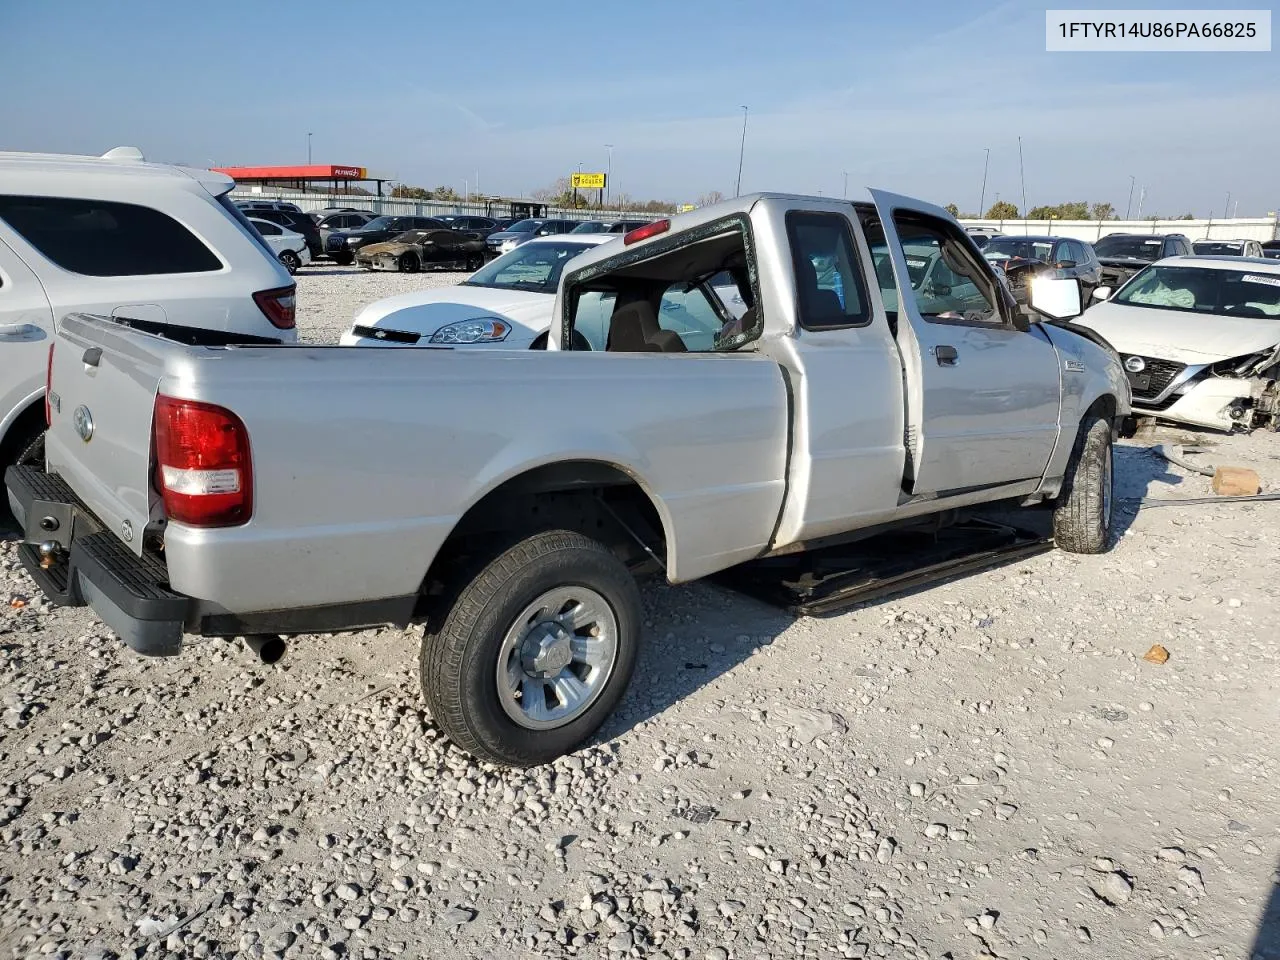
(269, 647)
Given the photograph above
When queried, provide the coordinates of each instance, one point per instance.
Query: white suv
(160, 245)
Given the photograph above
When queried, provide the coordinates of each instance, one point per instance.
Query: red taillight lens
(203, 468)
(647, 231)
(48, 385)
(279, 305)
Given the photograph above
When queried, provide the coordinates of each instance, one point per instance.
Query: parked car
(343, 244)
(161, 245)
(1271, 249)
(510, 496)
(1200, 340)
(418, 249)
(503, 241)
(1226, 248)
(1021, 258)
(268, 205)
(608, 226)
(327, 223)
(507, 303)
(323, 212)
(290, 248)
(1124, 254)
(469, 223)
(296, 222)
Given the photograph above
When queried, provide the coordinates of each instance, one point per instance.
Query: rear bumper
(131, 595)
(91, 567)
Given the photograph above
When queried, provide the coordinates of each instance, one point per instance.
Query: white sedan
(506, 304)
(1199, 338)
(290, 248)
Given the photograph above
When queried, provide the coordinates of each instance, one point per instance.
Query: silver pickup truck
(509, 499)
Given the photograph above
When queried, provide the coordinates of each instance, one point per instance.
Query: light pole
(1227, 207)
(608, 176)
(846, 185)
(982, 198)
(741, 150)
(1023, 177)
(1128, 206)
(308, 148)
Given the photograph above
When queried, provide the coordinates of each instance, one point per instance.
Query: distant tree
(952, 209)
(1102, 211)
(1187, 216)
(1071, 210)
(1043, 213)
(444, 193)
(410, 193)
(707, 199)
(1002, 210)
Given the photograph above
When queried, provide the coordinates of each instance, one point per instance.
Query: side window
(268, 229)
(690, 315)
(1071, 251)
(946, 282)
(830, 291)
(591, 318)
(98, 238)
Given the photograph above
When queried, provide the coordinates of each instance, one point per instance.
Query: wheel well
(26, 423)
(595, 499)
(1104, 406)
(541, 340)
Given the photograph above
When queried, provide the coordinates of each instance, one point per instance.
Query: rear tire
(291, 261)
(23, 446)
(474, 263)
(557, 592)
(1082, 519)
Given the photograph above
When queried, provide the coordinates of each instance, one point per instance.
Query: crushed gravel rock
(987, 767)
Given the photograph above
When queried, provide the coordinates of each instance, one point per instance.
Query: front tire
(535, 651)
(409, 263)
(344, 259)
(1082, 519)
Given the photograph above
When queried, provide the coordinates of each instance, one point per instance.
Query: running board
(835, 578)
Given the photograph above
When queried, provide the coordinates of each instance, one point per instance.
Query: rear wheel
(1082, 517)
(474, 262)
(409, 263)
(535, 651)
(23, 446)
(291, 261)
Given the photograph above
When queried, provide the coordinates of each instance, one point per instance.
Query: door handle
(92, 356)
(946, 356)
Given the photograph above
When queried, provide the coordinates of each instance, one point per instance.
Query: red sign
(304, 172)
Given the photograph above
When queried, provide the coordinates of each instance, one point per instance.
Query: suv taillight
(280, 305)
(48, 385)
(203, 468)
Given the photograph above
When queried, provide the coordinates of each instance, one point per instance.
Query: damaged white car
(1199, 338)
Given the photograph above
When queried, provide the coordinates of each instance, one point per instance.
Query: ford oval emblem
(1135, 364)
(82, 419)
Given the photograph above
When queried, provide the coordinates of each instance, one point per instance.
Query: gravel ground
(329, 295)
(987, 768)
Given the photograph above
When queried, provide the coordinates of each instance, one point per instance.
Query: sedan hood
(426, 311)
(1191, 338)
(389, 247)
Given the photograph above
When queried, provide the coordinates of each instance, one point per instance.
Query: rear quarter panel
(365, 460)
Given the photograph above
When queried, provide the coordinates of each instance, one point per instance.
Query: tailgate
(103, 387)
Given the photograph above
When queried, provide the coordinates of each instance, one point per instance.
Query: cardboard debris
(1157, 654)
(1236, 482)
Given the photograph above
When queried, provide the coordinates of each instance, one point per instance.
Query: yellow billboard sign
(587, 181)
(686, 207)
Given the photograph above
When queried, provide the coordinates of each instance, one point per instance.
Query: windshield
(1007, 248)
(534, 266)
(591, 226)
(379, 223)
(1218, 248)
(525, 226)
(1233, 293)
(1135, 248)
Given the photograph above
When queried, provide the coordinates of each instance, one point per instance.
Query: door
(26, 330)
(983, 396)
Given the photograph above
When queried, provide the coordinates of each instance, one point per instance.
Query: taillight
(203, 468)
(279, 305)
(48, 385)
(647, 231)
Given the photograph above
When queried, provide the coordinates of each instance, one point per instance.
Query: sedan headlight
(475, 330)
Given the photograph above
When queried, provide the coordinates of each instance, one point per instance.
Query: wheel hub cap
(546, 651)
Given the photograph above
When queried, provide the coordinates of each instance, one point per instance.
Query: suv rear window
(100, 238)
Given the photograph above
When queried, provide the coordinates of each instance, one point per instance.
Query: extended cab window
(99, 238)
(829, 288)
(946, 281)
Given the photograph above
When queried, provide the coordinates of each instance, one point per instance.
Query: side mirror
(1102, 293)
(1056, 298)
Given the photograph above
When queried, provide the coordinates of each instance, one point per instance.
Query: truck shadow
(1266, 944)
(1139, 472)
